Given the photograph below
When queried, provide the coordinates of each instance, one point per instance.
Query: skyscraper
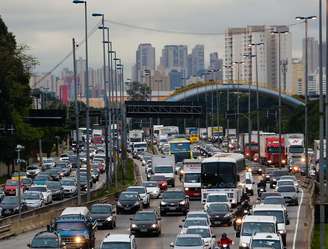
(216, 65)
(175, 57)
(237, 41)
(197, 60)
(145, 60)
(313, 54)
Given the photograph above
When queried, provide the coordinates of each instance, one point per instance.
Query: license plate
(171, 208)
(143, 230)
(217, 222)
(99, 223)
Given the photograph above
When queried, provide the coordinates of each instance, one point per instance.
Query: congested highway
(296, 231)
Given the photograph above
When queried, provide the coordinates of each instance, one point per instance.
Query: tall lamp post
(19, 148)
(255, 45)
(305, 19)
(103, 28)
(86, 92)
(279, 32)
(228, 107)
(238, 63)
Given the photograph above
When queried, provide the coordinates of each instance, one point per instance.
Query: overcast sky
(47, 26)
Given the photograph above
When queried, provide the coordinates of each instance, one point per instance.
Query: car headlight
(243, 244)
(259, 169)
(186, 189)
(78, 239)
(136, 203)
(133, 226)
(119, 204)
(249, 170)
(269, 161)
(303, 159)
(109, 218)
(283, 161)
(274, 179)
(228, 215)
(163, 203)
(182, 202)
(239, 221)
(154, 225)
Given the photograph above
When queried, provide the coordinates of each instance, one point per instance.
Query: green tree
(138, 91)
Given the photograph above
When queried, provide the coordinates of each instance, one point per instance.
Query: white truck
(169, 130)
(191, 177)
(295, 147)
(203, 133)
(136, 136)
(165, 166)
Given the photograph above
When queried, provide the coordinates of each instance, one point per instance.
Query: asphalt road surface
(170, 228)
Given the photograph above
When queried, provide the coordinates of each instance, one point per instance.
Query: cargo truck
(191, 177)
(165, 166)
(295, 148)
(271, 149)
(249, 149)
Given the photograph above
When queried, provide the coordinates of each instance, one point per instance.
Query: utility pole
(228, 107)
(76, 129)
(238, 63)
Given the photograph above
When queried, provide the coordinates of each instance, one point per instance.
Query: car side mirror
(213, 236)
(29, 245)
(287, 222)
(171, 244)
(238, 234)
(131, 219)
(113, 212)
(180, 226)
(159, 218)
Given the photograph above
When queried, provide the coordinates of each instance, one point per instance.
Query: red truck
(271, 149)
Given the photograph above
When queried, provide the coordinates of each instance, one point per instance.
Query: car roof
(196, 212)
(196, 218)
(199, 227)
(146, 211)
(189, 236)
(118, 238)
(258, 218)
(136, 187)
(75, 210)
(46, 234)
(268, 207)
(271, 236)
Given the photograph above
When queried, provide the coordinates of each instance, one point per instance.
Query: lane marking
(298, 219)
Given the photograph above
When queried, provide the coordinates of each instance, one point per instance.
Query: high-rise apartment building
(175, 57)
(215, 67)
(297, 87)
(197, 60)
(237, 49)
(145, 60)
(313, 54)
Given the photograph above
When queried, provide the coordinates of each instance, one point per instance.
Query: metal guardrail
(5, 231)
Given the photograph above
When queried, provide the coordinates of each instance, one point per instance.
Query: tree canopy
(138, 91)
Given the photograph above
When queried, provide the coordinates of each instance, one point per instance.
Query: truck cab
(191, 178)
(273, 149)
(76, 227)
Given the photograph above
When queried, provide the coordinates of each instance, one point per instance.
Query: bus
(220, 173)
(180, 148)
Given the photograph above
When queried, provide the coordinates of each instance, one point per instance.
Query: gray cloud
(47, 26)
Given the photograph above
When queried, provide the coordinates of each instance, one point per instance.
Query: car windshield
(296, 149)
(217, 198)
(276, 213)
(285, 183)
(274, 149)
(292, 178)
(71, 226)
(250, 228)
(192, 178)
(68, 183)
(31, 196)
(158, 178)
(248, 181)
(263, 243)
(141, 216)
(286, 189)
(53, 185)
(38, 189)
(27, 181)
(150, 184)
(9, 200)
(48, 161)
(32, 167)
(138, 190)
(188, 241)
(218, 208)
(128, 196)
(41, 178)
(195, 222)
(279, 173)
(163, 169)
(173, 195)
(203, 232)
(116, 245)
(45, 243)
(198, 215)
(274, 200)
(101, 209)
(11, 183)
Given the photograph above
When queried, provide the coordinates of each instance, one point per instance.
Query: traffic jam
(213, 183)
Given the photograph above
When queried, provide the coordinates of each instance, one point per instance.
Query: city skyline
(40, 29)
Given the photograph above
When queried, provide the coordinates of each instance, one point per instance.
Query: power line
(92, 31)
(136, 27)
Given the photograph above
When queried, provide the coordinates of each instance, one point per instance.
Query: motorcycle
(260, 191)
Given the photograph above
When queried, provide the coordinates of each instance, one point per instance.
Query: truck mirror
(238, 234)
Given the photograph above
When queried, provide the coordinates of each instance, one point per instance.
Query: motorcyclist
(224, 241)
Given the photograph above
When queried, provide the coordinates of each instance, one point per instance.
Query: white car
(198, 214)
(69, 187)
(292, 178)
(142, 191)
(32, 171)
(152, 189)
(193, 222)
(48, 163)
(217, 198)
(47, 194)
(206, 233)
(266, 241)
(190, 241)
(64, 157)
(119, 241)
(33, 199)
(286, 182)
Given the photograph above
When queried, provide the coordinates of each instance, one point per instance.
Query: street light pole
(77, 129)
(18, 149)
(238, 63)
(306, 90)
(86, 93)
(228, 108)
